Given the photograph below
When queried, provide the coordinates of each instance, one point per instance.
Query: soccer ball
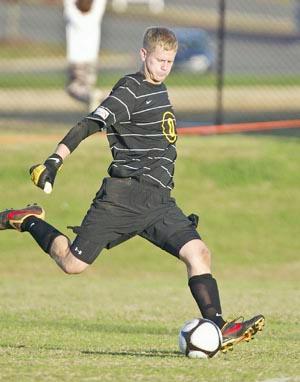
(200, 338)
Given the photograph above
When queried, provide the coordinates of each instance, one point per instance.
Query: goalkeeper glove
(43, 175)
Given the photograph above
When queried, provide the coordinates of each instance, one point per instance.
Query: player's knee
(61, 253)
(60, 247)
(74, 268)
(195, 252)
(204, 253)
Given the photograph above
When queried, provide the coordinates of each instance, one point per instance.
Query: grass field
(120, 319)
(108, 79)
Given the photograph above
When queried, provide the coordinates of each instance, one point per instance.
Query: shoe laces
(234, 321)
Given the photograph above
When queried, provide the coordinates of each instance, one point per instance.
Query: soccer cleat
(12, 219)
(234, 332)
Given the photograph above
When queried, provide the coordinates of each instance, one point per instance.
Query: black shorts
(126, 207)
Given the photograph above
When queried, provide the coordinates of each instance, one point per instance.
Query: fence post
(220, 62)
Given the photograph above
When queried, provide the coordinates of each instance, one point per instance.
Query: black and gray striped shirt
(141, 130)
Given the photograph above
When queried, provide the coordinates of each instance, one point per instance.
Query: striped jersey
(141, 130)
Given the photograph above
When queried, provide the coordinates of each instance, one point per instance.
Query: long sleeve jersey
(141, 130)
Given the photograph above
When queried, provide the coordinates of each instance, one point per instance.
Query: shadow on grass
(134, 353)
(122, 353)
(97, 327)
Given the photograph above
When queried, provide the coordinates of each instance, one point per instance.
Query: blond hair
(163, 37)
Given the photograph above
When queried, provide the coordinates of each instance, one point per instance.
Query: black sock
(42, 232)
(204, 289)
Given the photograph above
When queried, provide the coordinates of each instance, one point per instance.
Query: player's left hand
(43, 175)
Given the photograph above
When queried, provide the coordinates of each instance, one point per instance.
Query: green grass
(15, 51)
(119, 320)
(108, 79)
(12, 50)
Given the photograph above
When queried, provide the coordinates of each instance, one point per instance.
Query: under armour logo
(77, 250)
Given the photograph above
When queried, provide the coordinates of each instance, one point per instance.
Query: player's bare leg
(204, 289)
(64, 258)
(196, 257)
(31, 219)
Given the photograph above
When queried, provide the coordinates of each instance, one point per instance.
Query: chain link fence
(260, 46)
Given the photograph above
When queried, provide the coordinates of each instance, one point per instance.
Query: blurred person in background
(83, 36)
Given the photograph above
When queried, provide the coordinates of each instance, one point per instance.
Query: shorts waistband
(145, 182)
(143, 185)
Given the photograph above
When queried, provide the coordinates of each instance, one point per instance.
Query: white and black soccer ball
(200, 338)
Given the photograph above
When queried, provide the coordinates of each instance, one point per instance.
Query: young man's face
(157, 64)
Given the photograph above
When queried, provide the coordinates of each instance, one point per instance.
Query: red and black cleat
(234, 331)
(13, 218)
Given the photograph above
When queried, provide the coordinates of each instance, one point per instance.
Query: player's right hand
(43, 175)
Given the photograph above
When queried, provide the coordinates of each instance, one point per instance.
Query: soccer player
(83, 20)
(136, 197)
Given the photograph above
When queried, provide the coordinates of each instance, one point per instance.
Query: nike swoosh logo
(56, 160)
(147, 102)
